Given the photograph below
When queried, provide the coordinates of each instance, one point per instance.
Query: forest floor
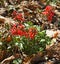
(39, 13)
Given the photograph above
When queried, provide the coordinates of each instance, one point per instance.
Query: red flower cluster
(16, 30)
(14, 13)
(32, 32)
(48, 11)
(17, 16)
(50, 16)
(19, 30)
(48, 8)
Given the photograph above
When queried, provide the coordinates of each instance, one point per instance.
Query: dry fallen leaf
(2, 20)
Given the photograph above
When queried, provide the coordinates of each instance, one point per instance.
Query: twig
(57, 12)
(10, 58)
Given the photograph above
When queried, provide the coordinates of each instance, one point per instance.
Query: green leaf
(41, 49)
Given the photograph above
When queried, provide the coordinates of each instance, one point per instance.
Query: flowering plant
(17, 16)
(29, 39)
(49, 13)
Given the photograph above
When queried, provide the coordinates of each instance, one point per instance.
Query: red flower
(14, 13)
(32, 32)
(17, 30)
(31, 35)
(20, 32)
(19, 17)
(21, 26)
(45, 13)
(48, 12)
(50, 16)
(48, 8)
(13, 31)
(26, 34)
